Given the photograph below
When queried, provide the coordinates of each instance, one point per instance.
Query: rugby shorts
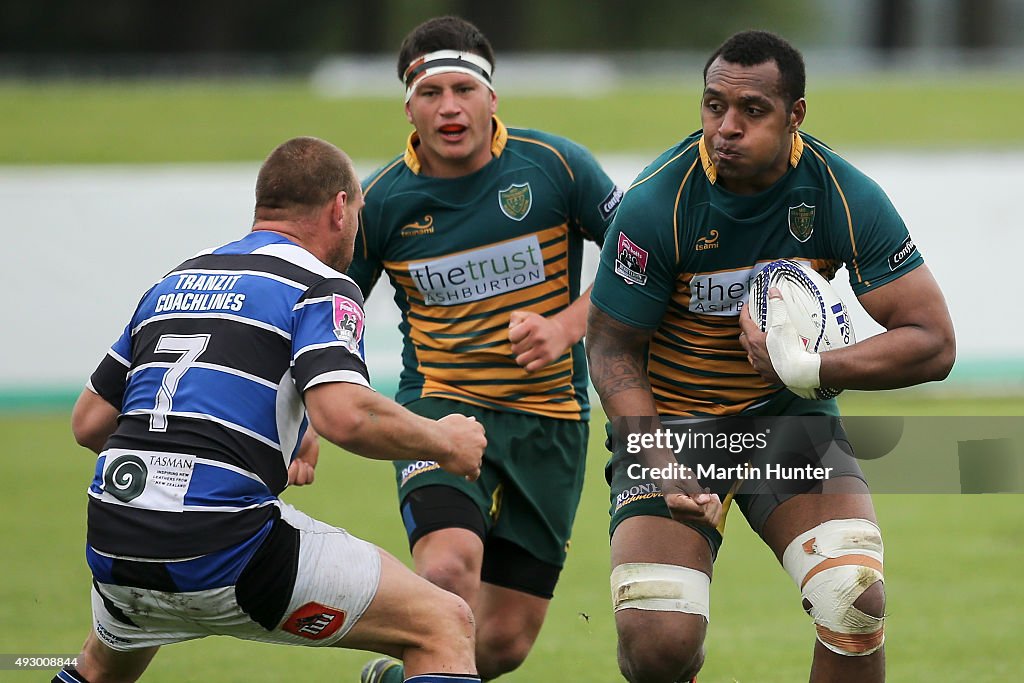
(336, 577)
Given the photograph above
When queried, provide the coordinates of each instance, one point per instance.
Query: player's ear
(338, 207)
(408, 113)
(494, 103)
(797, 114)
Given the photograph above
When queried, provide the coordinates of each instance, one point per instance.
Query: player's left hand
(755, 343)
(302, 469)
(536, 341)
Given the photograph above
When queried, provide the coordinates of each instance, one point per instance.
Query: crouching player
(197, 414)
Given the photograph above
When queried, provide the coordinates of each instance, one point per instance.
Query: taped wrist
(795, 366)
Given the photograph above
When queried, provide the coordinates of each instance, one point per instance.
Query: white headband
(446, 61)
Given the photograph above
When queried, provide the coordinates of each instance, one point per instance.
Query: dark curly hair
(750, 48)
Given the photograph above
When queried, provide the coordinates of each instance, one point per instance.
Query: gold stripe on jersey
(498, 141)
(544, 404)
(362, 234)
(849, 218)
(696, 363)
(463, 350)
(796, 151)
(679, 194)
(549, 148)
(381, 175)
(675, 207)
(660, 168)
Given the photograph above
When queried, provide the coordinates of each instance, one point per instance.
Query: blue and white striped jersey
(209, 376)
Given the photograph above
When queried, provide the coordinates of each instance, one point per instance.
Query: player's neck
(290, 230)
(433, 166)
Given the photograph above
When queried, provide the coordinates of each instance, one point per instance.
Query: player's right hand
(692, 506)
(466, 444)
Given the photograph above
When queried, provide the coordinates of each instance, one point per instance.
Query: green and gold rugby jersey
(463, 253)
(682, 251)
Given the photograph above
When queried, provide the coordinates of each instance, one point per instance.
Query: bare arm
(302, 470)
(538, 341)
(362, 421)
(93, 420)
(918, 345)
(617, 355)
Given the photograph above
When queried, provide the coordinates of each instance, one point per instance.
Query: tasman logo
(417, 229)
(710, 241)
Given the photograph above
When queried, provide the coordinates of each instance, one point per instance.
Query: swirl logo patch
(125, 478)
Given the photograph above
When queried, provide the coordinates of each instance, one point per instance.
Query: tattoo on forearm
(616, 358)
(616, 371)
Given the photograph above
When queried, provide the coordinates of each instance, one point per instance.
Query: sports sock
(69, 675)
(443, 678)
(393, 674)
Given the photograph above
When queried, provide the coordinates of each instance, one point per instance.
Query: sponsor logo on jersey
(348, 321)
(418, 467)
(125, 477)
(610, 203)
(801, 222)
(515, 201)
(631, 262)
(417, 229)
(314, 621)
(710, 241)
(149, 480)
(722, 293)
(905, 251)
(480, 273)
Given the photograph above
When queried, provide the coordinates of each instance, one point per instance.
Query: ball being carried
(810, 307)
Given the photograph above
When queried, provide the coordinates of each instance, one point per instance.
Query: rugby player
(197, 414)
(668, 336)
(480, 228)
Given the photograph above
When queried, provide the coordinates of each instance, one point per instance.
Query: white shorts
(337, 577)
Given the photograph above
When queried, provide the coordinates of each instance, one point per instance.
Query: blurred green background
(187, 121)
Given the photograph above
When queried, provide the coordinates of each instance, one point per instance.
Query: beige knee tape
(661, 587)
(833, 564)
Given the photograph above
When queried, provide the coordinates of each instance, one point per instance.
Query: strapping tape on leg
(661, 588)
(833, 564)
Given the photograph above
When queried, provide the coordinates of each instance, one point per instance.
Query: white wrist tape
(795, 366)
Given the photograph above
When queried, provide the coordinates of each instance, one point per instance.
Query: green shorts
(530, 482)
(818, 442)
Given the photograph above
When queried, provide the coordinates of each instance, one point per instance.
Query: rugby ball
(819, 315)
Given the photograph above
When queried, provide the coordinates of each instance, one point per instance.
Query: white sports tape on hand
(795, 366)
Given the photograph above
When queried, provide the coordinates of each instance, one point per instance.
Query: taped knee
(661, 587)
(833, 564)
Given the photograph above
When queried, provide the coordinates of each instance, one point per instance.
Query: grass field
(188, 121)
(952, 574)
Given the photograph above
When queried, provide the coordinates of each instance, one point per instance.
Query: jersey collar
(711, 172)
(498, 143)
